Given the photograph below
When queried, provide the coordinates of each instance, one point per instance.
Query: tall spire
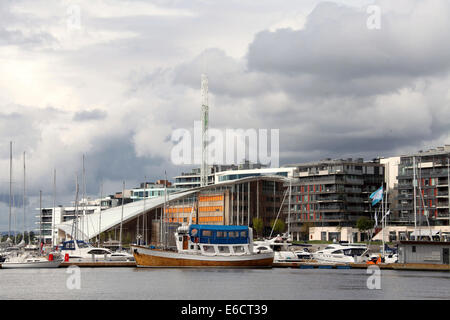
(205, 120)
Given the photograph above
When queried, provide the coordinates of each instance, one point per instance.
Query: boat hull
(146, 257)
(30, 265)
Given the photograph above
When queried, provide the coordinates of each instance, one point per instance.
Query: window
(232, 234)
(413, 248)
(238, 249)
(243, 234)
(337, 252)
(209, 249)
(220, 234)
(194, 232)
(224, 249)
(206, 233)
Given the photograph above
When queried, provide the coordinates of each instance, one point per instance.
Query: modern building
(423, 189)
(192, 179)
(236, 202)
(151, 189)
(230, 175)
(332, 193)
(52, 217)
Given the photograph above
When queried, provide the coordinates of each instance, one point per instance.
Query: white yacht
(27, 260)
(280, 245)
(342, 253)
(80, 251)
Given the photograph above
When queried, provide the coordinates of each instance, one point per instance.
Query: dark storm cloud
(338, 53)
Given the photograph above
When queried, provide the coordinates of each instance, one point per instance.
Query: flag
(377, 196)
(376, 218)
(387, 213)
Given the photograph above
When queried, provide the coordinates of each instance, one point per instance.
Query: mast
(289, 208)
(100, 215)
(10, 189)
(414, 197)
(85, 220)
(40, 218)
(166, 224)
(54, 208)
(121, 217)
(23, 204)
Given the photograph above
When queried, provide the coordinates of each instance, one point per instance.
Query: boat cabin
(214, 239)
(70, 245)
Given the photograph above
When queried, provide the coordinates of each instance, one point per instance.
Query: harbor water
(219, 284)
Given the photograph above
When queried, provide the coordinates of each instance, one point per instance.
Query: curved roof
(112, 217)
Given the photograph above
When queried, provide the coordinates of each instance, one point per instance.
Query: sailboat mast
(23, 204)
(100, 216)
(10, 188)
(121, 218)
(40, 218)
(289, 208)
(54, 208)
(414, 197)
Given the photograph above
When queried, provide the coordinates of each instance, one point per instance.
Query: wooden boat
(206, 246)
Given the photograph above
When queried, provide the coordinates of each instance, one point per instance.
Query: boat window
(194, 232)
(329, 248)
(262, 248)
(243, 234)
(209, 249)
(232, 234)
(238, 249)
(98, 251)
(220, 234)
(69, 245)
(83, 245)
(206, 233)
(224, 249)
(337, 252)
(353, 252)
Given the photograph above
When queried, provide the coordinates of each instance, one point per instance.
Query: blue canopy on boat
(219, 234)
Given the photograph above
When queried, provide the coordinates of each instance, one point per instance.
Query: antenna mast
(205, 120)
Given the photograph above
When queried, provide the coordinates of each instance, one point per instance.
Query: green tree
(278, 225)
(363, 224)
(258, 225)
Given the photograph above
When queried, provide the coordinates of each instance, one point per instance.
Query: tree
(364, 225)
(258, 225)
(278, 225)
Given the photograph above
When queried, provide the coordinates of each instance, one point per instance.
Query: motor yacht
(79, 251)
(280, 246)
(342, 253)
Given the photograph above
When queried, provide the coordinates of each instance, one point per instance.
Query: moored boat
(27, 261)
(206, 246)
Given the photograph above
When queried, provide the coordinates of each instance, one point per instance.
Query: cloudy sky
(112, 79)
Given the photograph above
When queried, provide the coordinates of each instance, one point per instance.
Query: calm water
(205, 284)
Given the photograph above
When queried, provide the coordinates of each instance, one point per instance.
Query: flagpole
(383, 215)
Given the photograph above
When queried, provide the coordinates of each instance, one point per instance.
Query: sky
(113, 79)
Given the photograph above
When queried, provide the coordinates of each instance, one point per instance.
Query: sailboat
(22, 259)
